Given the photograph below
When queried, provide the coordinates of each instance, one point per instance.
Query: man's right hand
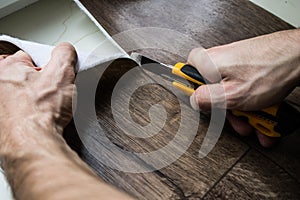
(253, 74)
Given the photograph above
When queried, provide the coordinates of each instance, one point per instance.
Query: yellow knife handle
(189, 73)
(264, 121)
(185, 89)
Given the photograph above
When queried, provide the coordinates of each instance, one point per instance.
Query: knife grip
(189, 73)
(264, 121)
(185, 89)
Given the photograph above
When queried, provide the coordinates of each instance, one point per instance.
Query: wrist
(30, 164)
(19, 137)
(294, 36)
(40, 157)
(289, 41)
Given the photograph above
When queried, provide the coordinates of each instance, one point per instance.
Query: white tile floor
(9, 6)
(288, 10)
(53, 21)
(5, 193)
(88, 35)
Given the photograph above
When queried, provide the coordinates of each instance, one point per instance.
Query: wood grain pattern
(255, 177)
(209, 23)
(173, 181)
(7, 48)
(286, 153)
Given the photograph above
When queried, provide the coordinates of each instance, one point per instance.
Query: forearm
(295, 36)
(288, 45)
(278, 52)
(44, 167)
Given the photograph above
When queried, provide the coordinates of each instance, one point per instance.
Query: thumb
(201, 59)
(62, 64)
(208, 96)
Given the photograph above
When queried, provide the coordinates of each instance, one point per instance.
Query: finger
(200, 59)
(208, 96)
(266, 141)
(62, 64)
(244, 129)
(239, 125)
(20, 57)
(2, 57)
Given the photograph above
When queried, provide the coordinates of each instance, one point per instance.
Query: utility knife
(276, 121)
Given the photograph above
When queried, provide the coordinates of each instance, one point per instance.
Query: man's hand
(254, 74)
(35, 105)
(35, 98)
(29, 92)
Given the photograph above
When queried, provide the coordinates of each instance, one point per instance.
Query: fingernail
(37, 68)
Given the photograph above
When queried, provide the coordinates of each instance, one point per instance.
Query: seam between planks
(277, 164)
(227, 171)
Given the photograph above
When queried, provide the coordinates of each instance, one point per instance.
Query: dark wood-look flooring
(237, 168)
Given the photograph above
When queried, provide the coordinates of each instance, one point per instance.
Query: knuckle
(234, 101)
(66, 54)
(67, 47)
